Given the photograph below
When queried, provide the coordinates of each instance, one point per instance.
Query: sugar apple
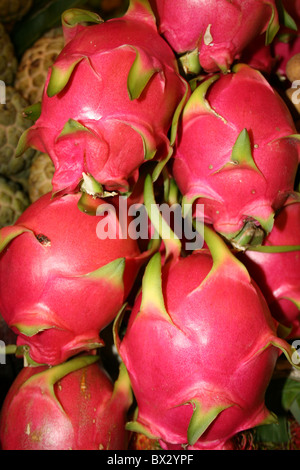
(40, 176)
(12, 125)
(13, 201)
(14, 10)
(35, 62)
(8, 60)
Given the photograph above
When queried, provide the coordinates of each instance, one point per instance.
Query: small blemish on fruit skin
(27, 431)
(83, 386)
(207, 38)
(43, 240)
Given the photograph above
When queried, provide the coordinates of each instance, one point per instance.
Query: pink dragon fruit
(71, 406)
(110, 100)
(278, 273)
(200, 348)
(237, 153)
(213, 33)
(71, 281)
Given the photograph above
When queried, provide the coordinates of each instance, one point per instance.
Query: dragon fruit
(278, 273)
(71, 406)
(213, 33)
(200, 348)
(72, 280)
(236, 160)
(110, 100)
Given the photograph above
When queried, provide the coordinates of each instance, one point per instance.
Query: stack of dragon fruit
(163, 105)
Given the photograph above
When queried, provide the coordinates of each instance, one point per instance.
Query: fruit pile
(153, 284)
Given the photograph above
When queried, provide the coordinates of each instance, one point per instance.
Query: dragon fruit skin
(70, 283)
(259, 56)
(209, 358)
(71, 406)
(278, 274)
(117, 78)
(225, 154)
(215, 31)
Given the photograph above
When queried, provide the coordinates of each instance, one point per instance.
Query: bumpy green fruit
(40, 176)
(8, 60)
(33, 68)
(12, 125)
(13, 201)
(13, 10)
